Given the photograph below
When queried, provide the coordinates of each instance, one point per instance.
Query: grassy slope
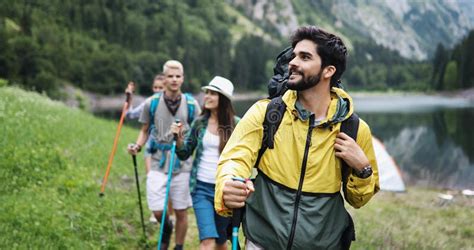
(52, 162)
(53, 158)
(416, 219)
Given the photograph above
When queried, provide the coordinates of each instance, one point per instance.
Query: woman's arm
(185, 146)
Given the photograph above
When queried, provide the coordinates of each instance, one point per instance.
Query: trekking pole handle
(127, 97)
(237, 212)
(175, 136)
(236, 218)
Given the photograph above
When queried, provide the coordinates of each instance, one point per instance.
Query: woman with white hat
(208, 136)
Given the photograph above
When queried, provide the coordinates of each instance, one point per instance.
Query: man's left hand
(348, 150)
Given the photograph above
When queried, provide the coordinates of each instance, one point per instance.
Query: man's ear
(329, 71)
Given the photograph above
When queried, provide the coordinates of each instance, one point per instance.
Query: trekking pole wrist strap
(138, 146)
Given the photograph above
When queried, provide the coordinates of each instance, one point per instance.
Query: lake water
(431, 138)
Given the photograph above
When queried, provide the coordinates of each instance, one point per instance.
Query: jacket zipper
(300, 185)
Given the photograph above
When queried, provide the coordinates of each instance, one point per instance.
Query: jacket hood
(340, 108)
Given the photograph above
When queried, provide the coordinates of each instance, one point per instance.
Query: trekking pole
(236, 216)
(114, 147)
(168, 186)
(134, 157)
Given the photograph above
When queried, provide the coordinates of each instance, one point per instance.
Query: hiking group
(305, 142)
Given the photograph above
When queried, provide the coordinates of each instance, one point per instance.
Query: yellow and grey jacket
(296, 205)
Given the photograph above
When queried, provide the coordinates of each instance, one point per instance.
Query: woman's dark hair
(329, 47)
(225, 118)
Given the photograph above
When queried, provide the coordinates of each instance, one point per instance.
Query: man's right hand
(133, 148)
(235, 193)
(176, 128)
(130, 88)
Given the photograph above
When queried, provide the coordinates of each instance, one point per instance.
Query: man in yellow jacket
(295, 201)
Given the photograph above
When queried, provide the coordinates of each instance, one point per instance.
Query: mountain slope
(412, 28)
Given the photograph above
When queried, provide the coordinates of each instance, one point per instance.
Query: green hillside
(100, 45)
(52, 162)
(53, 158)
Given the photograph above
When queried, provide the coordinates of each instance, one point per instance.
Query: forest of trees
(99, 45)
(454, 68)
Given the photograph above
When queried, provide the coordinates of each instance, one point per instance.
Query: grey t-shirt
(162, 134)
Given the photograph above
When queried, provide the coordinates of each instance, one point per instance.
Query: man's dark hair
(160, 76)
(329, 47)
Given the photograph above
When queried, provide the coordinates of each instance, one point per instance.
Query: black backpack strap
(273, 117)
(350, 126)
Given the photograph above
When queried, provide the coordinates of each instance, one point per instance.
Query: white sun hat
(221, 85)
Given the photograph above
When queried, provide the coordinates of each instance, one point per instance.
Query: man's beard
(305, 83)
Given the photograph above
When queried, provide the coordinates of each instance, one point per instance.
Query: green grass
(53, 158)
(416, 219)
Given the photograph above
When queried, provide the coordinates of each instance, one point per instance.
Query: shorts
(210, 224)
(146, 154)
(156, 190)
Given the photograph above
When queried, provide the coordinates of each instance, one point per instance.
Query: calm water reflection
(430, 138)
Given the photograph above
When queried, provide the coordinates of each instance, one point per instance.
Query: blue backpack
(153, 145)
(155, 99)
